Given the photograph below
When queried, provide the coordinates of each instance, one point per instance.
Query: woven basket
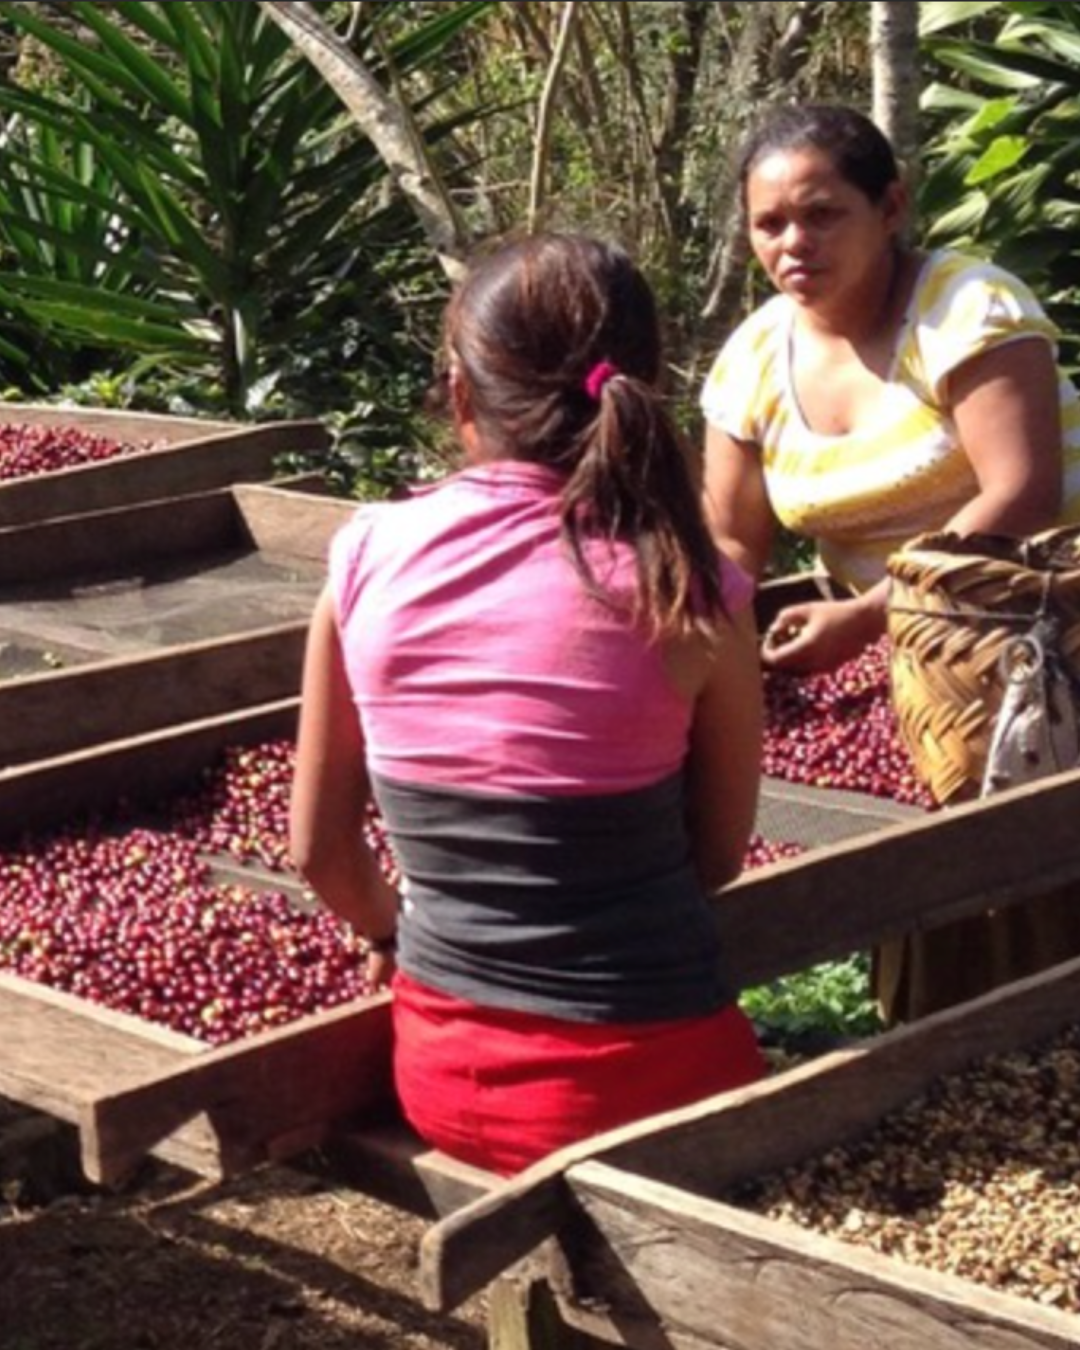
(954, 601)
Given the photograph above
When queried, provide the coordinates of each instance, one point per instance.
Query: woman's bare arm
(724, 771)
(331, 790)
(736, 501)
(1006, 406)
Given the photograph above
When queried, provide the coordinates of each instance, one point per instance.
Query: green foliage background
(1001, 111)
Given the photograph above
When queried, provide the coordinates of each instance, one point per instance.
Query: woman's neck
(871, 312)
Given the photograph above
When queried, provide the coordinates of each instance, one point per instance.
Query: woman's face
(817, 236)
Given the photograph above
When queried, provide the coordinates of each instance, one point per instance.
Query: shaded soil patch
(280, 1260)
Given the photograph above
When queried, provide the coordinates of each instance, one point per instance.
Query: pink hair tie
(597, 377)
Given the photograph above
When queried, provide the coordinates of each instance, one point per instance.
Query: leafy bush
(814, 1008)
(187, 205)
(1002, 173)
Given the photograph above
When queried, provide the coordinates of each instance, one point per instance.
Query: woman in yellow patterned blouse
(882, 392)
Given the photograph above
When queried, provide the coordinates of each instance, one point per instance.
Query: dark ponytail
(558, 341)
(632, 482)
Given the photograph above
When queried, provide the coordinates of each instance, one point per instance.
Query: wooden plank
(523, 1315)
(293, 523)
(474, 1245)
(734, 1136)
(192, 456)
(312, 482)
(110, 542)
(53, 792)
(296, 524)
(675, 1270)
(830, 902)
(389, 1162)
(134, 1088)
(118, 424)
(262, 1098)
(43, 716)
(59, 1051)
(73, 1005)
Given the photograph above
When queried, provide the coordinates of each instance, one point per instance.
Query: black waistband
(586, 908)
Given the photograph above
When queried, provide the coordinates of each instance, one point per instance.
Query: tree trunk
(894, 53)
(542, 141)
(765, 55)
(684, 69)
(386, 122)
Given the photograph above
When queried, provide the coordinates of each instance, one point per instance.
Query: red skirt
(501, 1089)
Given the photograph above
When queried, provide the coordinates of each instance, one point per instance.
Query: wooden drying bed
(186, 455)
(620, 1238)
(159, 614)
(133, 1089)
(898, 878)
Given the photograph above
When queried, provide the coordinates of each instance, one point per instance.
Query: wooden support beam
(139, 770)
(899, 879)
(523, 1314)
(261, 1099)
(389, 1162)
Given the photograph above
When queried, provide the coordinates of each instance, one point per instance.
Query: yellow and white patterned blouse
(862, 495)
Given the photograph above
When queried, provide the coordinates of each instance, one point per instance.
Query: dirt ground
(280, 1260)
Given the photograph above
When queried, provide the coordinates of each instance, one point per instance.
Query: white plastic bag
(1036, 731)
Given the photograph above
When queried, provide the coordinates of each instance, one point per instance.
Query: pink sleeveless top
(463, 599)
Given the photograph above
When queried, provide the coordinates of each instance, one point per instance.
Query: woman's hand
(823, 634)
(379, 970)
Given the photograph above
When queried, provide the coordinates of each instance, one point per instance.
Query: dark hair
(527, 327)
(859, 149)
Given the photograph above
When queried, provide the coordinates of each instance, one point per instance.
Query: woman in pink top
(545, 677)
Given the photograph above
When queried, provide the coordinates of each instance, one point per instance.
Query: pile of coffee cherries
(241, 810)
(29, 450)
(761, 852)
(135, 921)
(838, 730)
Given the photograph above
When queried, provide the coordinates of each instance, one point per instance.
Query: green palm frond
(191, 159)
